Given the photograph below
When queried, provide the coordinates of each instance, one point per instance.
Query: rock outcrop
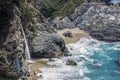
(100, 21)
(71, 62)
(46, 42)
(11, 42)
(42, 37)
(63, 23)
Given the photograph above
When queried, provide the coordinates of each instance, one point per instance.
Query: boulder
(46, 43)
(63, 23)
(67, 54)
(71, 62)
(68, 34)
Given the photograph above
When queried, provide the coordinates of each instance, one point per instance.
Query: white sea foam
(117, 47)
(58, 70)
(81, 52)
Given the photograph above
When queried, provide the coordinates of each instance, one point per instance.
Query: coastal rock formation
(46, 42)
(71, 62)
(43, 39)
(100, 21)
(12, 55)
(68, 34)
(63, 23)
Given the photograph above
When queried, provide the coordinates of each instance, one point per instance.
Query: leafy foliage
(59, 7)
(29, 12)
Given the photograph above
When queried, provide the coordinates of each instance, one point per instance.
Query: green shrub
(53, 8)
(29, 12)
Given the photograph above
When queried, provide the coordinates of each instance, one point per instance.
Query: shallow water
(95, 61)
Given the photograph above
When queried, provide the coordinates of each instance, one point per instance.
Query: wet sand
(34, 68)
(76, 33)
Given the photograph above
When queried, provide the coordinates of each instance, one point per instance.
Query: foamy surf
(94, 59)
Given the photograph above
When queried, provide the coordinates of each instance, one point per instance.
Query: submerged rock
(118, 61)
(71, 62)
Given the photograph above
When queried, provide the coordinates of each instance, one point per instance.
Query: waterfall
(27, 51)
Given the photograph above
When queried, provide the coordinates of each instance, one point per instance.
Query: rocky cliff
(46, 42)
(11, 41)
(100, 21)
(42, 38)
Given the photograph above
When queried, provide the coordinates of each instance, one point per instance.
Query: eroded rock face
(46, 42)
(101, 22)
(11, 44)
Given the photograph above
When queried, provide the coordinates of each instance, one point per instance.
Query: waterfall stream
(27, 51)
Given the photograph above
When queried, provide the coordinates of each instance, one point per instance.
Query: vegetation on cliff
(59, 7)
(29, 12)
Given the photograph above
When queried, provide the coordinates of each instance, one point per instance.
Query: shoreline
(76, 33)
(38, 63)
(35, 72)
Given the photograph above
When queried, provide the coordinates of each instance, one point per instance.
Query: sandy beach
(76, 33)
(34, 68)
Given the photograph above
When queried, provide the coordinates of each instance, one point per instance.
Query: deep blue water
(99, 62)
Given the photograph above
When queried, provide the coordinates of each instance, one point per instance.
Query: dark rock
(96, 63)
(68, 34)
(71, 62)
(83, 59)
(67, 54)
(63, 23)
(46, 43)
(12, 46)
(118, 61)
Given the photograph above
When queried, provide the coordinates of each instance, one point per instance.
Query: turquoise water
(115, 0)
(95, 59)
(109, 70)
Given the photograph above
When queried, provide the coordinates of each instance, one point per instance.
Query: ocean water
(96, 60)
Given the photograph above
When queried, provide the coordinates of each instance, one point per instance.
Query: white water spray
(27, 51)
